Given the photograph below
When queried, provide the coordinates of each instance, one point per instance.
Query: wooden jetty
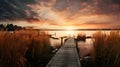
(66, 56)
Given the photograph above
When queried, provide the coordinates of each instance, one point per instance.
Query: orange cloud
(78, 13)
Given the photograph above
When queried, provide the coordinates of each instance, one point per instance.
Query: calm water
(59, 34)
(85, 48)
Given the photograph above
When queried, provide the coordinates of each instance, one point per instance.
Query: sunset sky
(61, 14)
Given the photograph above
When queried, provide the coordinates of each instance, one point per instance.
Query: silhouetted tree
(2, 27)
(11, 27)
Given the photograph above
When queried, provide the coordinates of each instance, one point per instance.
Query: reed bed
(106, 49)
(24, 49)
(81, 37)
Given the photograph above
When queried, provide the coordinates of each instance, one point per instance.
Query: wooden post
(61, 41)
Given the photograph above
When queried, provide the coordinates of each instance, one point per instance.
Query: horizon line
(75, 29)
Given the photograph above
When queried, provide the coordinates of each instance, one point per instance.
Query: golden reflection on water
(70, 32)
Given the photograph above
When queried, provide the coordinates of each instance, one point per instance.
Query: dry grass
(21, 48)
(107, 49)
(81, 37)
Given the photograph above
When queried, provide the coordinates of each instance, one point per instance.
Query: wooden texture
(66, 56)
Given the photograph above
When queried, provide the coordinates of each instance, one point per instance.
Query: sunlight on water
(69, 32)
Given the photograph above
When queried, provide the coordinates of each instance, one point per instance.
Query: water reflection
(70, 33)
(55, 42)
(59, 34)
(85, 47)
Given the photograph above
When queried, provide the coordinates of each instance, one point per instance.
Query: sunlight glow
(70, 28)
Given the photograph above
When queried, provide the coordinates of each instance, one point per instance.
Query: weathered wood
(67, 56)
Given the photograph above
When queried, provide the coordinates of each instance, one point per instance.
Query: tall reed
(20, 48)
(106, 49)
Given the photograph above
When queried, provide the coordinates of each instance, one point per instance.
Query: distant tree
(2, 27)
(11, 27)
(18, 27)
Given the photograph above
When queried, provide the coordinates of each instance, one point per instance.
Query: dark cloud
(116, 1)
(107, 6)
(19, 9)
(85, 7)
(71, 6)
(15, 9)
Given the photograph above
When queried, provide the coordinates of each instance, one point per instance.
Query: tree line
(10, 27)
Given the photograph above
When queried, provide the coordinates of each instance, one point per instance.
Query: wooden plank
(67, 56)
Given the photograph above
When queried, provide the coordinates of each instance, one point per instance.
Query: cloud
(62, 12)
(107, 6)
(15, 9)
(11, 9)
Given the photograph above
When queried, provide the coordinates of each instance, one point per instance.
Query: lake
(58, 34)
(84, 48)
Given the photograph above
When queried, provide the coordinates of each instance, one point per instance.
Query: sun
(69, 28)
